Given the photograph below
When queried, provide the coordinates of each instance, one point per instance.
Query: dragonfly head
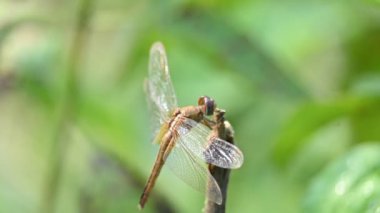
(207, 104)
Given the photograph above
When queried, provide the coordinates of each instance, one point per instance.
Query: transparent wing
(158, 86)
(200, 142)
(194, 172)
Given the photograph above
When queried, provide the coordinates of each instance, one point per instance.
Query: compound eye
(208, 105)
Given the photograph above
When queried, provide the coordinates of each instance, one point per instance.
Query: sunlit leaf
(349, 184)
(305, 122)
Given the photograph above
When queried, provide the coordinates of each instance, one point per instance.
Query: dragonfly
(184, 134)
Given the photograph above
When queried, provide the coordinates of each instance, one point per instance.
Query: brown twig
(223, 130)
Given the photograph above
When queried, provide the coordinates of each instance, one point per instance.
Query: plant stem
(68, 107)
(223, 130)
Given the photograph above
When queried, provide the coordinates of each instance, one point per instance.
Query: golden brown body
(167, 139)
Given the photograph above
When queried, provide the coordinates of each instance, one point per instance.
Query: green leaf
(349, 184)
(306, 121)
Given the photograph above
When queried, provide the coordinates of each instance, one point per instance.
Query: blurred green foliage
(300, 81)
(350, 184)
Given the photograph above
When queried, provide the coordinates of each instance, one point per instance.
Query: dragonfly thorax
(193, 112)
(179, 115)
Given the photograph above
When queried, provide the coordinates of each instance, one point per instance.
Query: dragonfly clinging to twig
(186, 141)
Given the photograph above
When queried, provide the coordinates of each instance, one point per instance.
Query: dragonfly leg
(209, 123)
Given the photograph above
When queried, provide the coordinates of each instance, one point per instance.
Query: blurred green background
(300, 81)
